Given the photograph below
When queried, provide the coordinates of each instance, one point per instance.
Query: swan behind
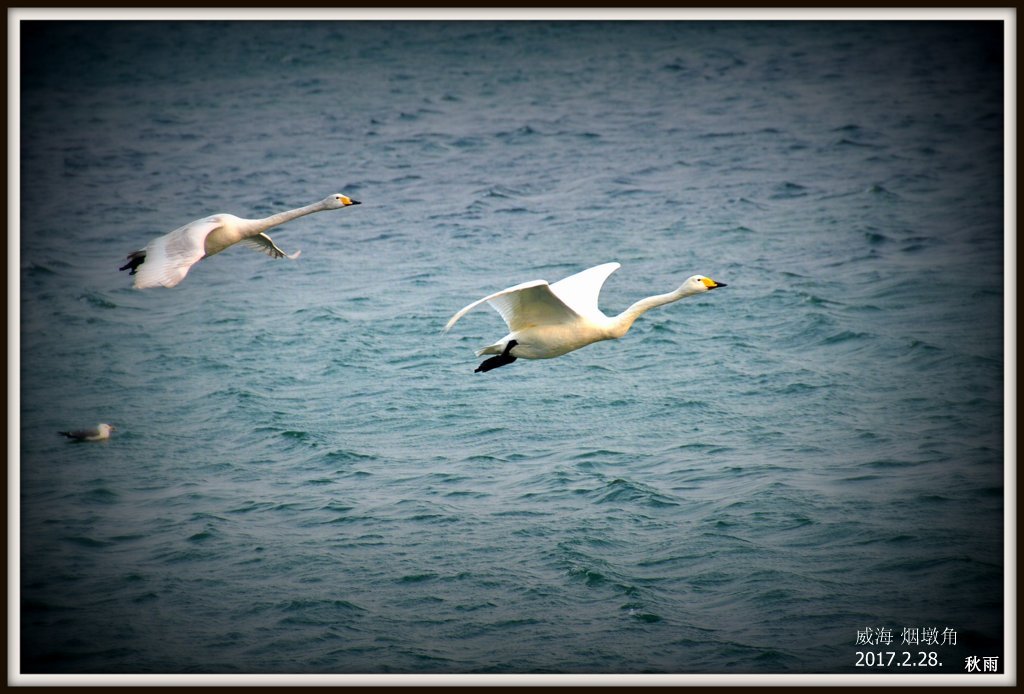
(167, 259)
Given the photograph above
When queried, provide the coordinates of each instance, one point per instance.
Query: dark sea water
(308, 477)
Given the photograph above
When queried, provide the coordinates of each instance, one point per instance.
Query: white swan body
(167, 259)
(549, 320)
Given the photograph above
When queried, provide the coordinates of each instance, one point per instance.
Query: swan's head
(699, 284)
(338, 200)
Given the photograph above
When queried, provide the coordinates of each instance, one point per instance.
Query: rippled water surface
(308, 477)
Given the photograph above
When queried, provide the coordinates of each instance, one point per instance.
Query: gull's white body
(549, 320)
(167, 259)
(100, 433)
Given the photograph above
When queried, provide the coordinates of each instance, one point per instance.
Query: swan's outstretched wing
(265, 244)
(524, 305)
(580, 291)
(169, 257)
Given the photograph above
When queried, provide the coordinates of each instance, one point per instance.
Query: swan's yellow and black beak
(350, 201)
(711, 284)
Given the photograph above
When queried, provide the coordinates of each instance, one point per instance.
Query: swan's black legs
(134, 261)
(500, 360)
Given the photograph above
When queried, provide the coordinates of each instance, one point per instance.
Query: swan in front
(167, 259)
(549, 320)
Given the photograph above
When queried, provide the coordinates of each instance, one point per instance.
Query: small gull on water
(100, 433)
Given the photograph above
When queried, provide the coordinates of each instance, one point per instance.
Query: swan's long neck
(282, 217)
(624, 321)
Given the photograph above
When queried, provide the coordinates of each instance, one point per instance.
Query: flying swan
(549, 320)
(100, 433)
(166, 260)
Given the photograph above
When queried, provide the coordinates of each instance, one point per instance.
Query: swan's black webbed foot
(134, 261)
(500, 360)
